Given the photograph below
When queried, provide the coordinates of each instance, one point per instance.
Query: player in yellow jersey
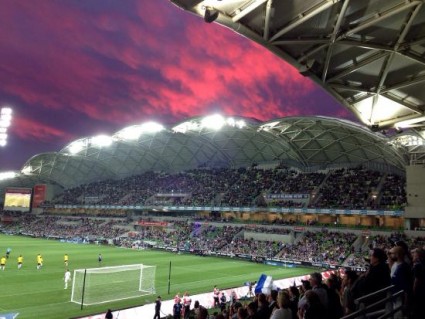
(3, 263)
(20, 261)
(65, 260)
(39, 261)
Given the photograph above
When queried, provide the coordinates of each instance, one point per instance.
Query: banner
(39, 195)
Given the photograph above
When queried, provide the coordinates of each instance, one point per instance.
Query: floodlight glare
(3, 136)
(76, 147)
(6, 111)
(3, 142)
(4, 123)
(3, 129)
(26, 169)
(7, 175)
(130, 133)
(151, 127)
(184, 127)
(101, 140)
(6, 117)
(214, 122)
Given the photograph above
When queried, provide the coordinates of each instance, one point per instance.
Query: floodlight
(3, 136)
(184, 127)
(101, 140)
(4, 123)
(26, 169)
(7, 175)
(130, 133)
(3, 129)
(76, 146)
(6, 111)
(3, 142)
(151, 127)
(215, 122)
(6, 117)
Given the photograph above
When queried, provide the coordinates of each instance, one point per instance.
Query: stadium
(313, 194)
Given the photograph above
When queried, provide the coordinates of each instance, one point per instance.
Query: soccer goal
(99, 285)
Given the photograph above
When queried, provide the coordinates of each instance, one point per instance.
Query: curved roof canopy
(368, 54)
(213, 141)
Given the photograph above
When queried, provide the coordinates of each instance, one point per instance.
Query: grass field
(40, 293)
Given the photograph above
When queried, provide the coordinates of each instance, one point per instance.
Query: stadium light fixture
(77, 146)
(184, 127)
(6, 111)
(7, 175)
(214, 122)
(26, 170)
(101, 141)
(151, 127)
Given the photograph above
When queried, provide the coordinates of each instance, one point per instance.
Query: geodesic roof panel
(368, 54)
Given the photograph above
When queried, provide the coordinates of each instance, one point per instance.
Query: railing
(383, 308)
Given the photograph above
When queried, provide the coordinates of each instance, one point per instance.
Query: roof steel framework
(368, 54)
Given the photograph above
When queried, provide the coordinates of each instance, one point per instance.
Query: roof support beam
(359, 65)
(251, 7)
(267, 20)
(333, 38)
(403, 84)
(304, 16)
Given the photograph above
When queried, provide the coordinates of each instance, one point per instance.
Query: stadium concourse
(206, 299)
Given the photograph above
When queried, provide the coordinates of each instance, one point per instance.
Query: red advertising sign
(39, 195)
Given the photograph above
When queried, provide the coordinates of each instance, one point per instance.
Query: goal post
(105, 284)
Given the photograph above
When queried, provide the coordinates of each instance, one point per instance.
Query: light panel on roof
(77, 146)
(101, 141)
(7, 175)
(214, 122)
(184, 127)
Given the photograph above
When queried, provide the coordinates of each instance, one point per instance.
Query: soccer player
(3, 263)
(65, 260)
(67, 278)
(99, 259)
(8, 250)
(39, 261)
(20, 261)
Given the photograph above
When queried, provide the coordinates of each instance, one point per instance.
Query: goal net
(105, 284)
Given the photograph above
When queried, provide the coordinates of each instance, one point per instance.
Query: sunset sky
(71, 69)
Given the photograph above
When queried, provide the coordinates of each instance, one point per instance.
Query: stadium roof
(368, 54)
(309, 143)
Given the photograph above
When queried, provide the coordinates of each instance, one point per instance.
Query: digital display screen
(17, 199)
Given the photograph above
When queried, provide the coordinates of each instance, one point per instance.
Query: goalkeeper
(67, 278)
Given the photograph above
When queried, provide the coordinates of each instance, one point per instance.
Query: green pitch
(41, 294)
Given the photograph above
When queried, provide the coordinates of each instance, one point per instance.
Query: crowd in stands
(394, 259)
(348, 188)
(332, 297)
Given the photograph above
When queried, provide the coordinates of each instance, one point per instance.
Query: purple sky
(71, 69)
